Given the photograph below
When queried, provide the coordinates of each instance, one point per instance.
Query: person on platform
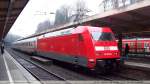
(2, 48)
(126, 51)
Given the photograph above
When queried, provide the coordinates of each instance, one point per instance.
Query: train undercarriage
(107, 66)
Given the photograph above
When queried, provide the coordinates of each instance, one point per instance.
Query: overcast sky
(30, 17)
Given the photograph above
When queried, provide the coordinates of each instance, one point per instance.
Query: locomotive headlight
(91, 60)
(99, 48)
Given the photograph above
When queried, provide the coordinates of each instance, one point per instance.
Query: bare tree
(62, 15)
(115, 3)
(69, 13)
(43, 26)
(80, 9)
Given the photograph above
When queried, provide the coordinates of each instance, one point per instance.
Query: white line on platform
(8, 72)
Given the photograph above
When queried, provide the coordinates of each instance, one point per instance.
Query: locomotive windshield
(103, 36)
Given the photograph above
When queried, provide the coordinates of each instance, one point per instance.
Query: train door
(79, 59)
(146, 46)
(79, 39)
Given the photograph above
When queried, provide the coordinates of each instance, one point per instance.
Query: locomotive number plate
(106, 48)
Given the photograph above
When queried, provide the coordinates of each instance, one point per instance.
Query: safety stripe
(8, 71)
(113, 48)
(98, 48)
(102, 48)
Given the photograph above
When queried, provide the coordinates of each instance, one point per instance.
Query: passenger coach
(91, 47)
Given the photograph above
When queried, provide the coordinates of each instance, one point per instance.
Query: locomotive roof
(78, 29)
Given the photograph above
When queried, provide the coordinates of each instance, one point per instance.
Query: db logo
(106, 48)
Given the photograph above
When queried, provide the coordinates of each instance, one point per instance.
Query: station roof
(133, 18)
(9, 11)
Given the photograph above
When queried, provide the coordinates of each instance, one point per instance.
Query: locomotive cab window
(102, 36)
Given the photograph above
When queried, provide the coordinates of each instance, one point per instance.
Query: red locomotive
(86, 46)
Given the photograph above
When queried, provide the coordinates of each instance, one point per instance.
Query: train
(91, 47)
(137, 45)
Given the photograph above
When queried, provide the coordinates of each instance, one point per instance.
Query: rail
(19, 58)
(111, 77)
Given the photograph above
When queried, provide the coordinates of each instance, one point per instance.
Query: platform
(12, 72)
(143, 66)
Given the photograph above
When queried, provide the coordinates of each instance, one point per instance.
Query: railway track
(58, 77)
(64, 72)
(38, 71)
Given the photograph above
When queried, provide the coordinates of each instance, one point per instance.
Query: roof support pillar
(120, 43)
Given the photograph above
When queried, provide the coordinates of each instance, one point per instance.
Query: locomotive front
(106, 53)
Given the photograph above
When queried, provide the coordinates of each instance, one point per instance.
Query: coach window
(145, 44)
(32, 44)
(139, 45)
(29, 44)
(124, 44)
(131, 45)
